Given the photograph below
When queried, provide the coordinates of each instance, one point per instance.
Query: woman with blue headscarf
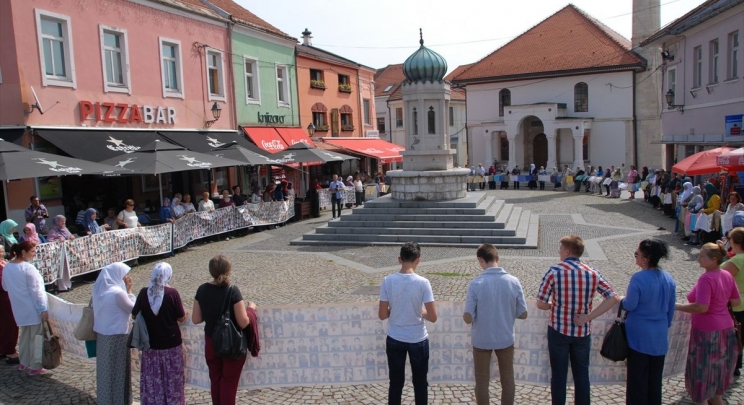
(166, 212)
(90, 226)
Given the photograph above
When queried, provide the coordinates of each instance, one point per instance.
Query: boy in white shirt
(406, 300)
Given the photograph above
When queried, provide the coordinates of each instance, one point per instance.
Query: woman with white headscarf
(162, 309)
(682, 200)
(112, 305)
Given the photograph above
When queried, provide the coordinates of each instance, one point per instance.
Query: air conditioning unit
(372, 133)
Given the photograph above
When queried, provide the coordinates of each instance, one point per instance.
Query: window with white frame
(252, 90)
(713, 51)
(115, 55)
(366, 106)
(171, 67)
(697, 66)
(55, 49)
(215, 75)
(672, 82)
(282, 85)
(733, 55)
(581, 97)
(399, 117)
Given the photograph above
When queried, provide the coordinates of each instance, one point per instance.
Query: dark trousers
(644, 379)
(482, 185)
(608, 189)
(563, 349)
(336, 202)
(516, 185)
(359, 197)
(542, 185)
(739, 317)
(396, 355)
(224, 375)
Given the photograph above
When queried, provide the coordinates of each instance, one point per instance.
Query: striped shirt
(572, 285)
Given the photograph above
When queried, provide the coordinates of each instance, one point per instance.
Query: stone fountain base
(434, 185)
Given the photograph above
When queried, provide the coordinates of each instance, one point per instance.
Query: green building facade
(265, 78)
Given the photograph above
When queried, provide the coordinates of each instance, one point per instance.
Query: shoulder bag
(84, 328)
(52, 355)
(615, 343)
(227, 339)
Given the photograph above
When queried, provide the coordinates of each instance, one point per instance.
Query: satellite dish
(37, 103)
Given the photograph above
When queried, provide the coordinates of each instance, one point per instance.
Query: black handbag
(227, 339)
(615, 343)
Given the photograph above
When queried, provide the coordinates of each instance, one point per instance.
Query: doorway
(540, 150)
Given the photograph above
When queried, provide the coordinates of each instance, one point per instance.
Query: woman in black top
(162, 309)
(224, 373)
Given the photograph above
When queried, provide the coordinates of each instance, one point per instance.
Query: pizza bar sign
(125, 114)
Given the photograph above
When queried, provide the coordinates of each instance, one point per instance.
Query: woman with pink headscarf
(29, 234)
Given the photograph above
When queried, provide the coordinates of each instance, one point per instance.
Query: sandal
(37, 372)
(12, 360)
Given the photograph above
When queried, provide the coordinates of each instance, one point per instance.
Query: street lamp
(216, 113)
(670, 102)
(311, 129)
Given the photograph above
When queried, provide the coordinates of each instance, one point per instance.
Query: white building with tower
(568, 91)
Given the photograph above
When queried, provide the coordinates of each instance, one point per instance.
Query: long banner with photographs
(64, 260)
(345, 344)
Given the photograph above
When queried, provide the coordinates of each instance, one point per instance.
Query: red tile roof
(457, 93)
(241, 15)
(568, 42)
(194, 6)
(390, 75)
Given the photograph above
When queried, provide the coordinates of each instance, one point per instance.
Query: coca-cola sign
(272, 145)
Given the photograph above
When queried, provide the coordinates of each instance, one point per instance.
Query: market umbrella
(243, 154)
(733, 160)
(160, 157)
(17, 162)
(304, 153)
(704, 162)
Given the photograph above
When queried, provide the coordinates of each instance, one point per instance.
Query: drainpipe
(231, 72)
(390, 126)
(467, 130)
(635, 124)
(362, 133)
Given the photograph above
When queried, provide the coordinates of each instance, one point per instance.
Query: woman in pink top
(711, 356)
(632, 176)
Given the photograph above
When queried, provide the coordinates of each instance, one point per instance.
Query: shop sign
(733, 125)
(272, 145)
(125, 114)
(270, 119)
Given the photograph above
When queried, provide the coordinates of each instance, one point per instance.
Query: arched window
(504, 100)
(581, 97)
(320, 118)
(432, 121)
(347, 124)
(415, 121)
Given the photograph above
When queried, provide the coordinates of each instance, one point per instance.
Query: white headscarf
(161, 275)
(686, 193)
(109, 282)
(532, 167)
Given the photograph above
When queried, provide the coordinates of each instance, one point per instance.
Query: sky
(382, 32)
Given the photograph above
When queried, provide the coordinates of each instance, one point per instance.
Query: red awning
(292, 136)
(266, 138)
(385, 151)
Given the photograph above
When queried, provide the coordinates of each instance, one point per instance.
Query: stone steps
(467, 222)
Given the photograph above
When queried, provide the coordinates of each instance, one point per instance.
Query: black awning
(14, 135)
(205, 141)
(97, 145)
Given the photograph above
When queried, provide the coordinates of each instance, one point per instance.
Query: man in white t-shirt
(406, 300)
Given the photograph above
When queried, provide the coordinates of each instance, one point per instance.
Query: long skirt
(711, 359)
(8, 327)
(26, 345)
(113, 370)
(162, 377)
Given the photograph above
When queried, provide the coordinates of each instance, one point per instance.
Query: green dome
(425, 65)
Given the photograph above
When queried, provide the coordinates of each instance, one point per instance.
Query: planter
(347, 127)
(317, 84)
(322, 128)
(344, 88)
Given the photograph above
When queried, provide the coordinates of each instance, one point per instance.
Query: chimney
(307, 38)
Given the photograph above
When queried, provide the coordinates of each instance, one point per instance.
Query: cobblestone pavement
(271, 272)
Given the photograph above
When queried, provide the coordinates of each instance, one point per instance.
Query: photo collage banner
(345, 344)
(64, 260)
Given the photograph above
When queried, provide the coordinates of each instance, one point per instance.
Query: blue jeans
(396, 355)
(563, 348)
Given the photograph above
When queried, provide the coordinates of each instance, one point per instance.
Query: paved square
(271, 272)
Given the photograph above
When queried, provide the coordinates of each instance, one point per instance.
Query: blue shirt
(337, 188)
(495, 299)
(650, 306)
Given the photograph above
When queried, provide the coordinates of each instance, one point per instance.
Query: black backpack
(227, 339)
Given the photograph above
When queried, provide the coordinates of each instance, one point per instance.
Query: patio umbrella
(304, 153)
(160, 157)
(247, 155)
(17, 162)
(704, 162)
(733, 160)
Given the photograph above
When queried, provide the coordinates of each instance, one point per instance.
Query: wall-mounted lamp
(311, 129)
(216, 113)
(665, 55)
(670, 102)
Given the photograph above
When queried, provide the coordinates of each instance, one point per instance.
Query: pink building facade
(107, 70)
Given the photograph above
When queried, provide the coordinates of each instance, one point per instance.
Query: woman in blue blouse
(166, 212)
(650, 305)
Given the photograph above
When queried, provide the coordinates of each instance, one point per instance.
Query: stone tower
(648, 91)
(428, 172)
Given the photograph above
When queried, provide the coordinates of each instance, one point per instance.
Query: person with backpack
(209, 305)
